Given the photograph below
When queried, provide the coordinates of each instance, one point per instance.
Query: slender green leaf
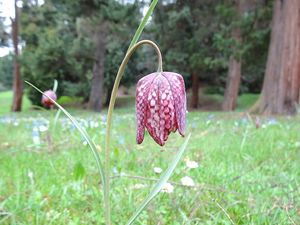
(143, 24)
(162, 180)
(82, 132)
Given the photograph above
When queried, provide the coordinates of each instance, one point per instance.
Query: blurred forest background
(221, 47)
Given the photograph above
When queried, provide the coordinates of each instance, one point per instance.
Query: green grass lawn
(245, 175)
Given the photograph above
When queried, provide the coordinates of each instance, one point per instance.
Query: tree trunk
(235, 65)
(96, 95)
(195, 90)
(232, 84)
(280, 92)
(17, 81)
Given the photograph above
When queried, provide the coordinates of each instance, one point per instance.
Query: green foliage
(184, 30)
(124, 21)
(253, 47)
(6, 71)
(59, 37)
(48, 62)
(196, 37)
(47, 55)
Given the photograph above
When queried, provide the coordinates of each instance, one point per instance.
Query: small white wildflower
(263, 126)
(16, 123)
(167, 188)
(191, 164)
(84, 143)
(43, 128)
(187, 181)
(138, 186)
(157, 170)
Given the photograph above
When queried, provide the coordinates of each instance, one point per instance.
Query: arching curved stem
(109, 117)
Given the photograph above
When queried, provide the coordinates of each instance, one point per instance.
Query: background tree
(48, 33)
(235, 64)
(81, 44)
(101, 23)
(184, 30)
(6, 62)
(242, 20)
(74, 39)
(242, 40)
(280, 93)
(17, 81)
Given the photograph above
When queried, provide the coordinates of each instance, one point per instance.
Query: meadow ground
(245, 174)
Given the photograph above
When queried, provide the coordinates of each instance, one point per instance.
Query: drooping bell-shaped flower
(160, 106)
(47, 102)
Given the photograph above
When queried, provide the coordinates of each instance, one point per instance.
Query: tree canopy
(81, 44)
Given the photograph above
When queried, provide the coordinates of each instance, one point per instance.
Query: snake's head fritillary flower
(160, 106)
(47, 102)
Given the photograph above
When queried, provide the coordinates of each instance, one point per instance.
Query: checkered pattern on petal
(160, 113)
(141, 106)
(160, 106)
(178, 89)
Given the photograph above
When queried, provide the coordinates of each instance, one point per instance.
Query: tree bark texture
(96, 94)
(195, 90)
(235, 65)
(280, 92)
(17, 79)
(232, 84)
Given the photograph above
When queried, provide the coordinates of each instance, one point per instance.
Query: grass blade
(163, 179)
(82, 132)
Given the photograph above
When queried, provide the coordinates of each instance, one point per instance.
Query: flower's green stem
(109, 118)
